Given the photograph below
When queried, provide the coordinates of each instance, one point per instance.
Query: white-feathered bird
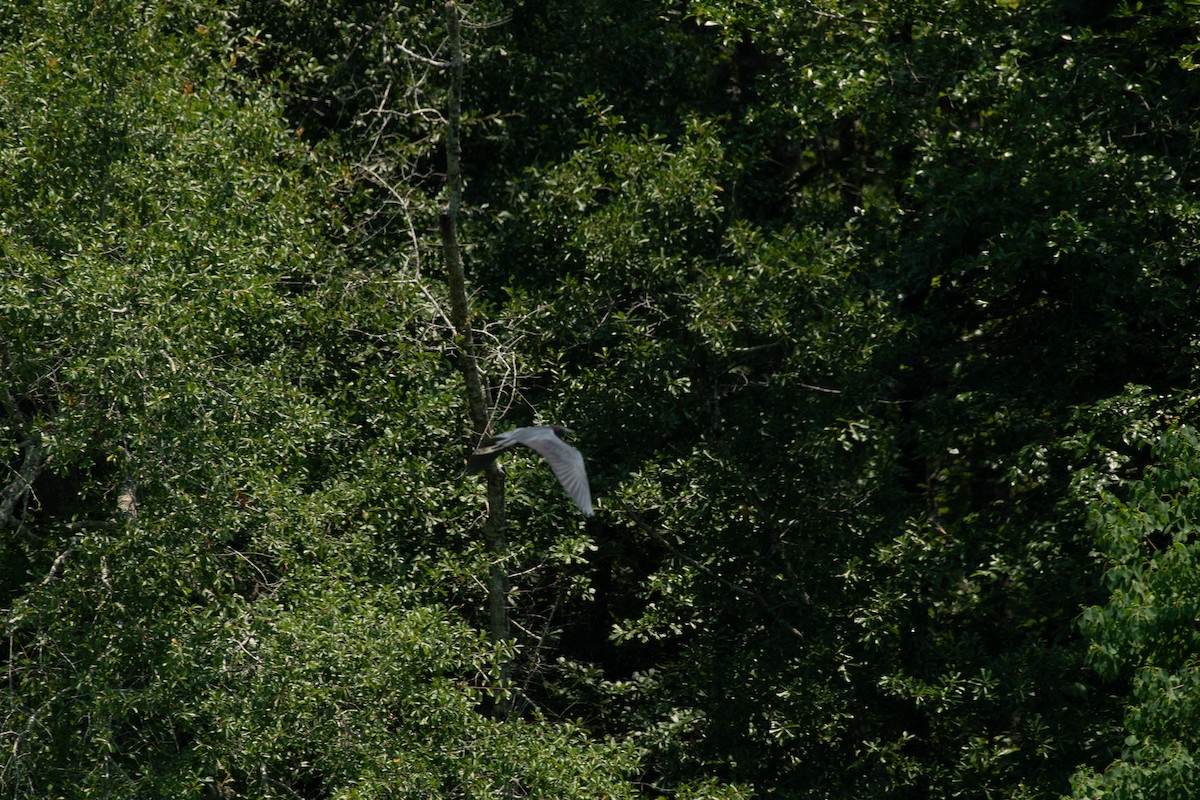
(566, 461)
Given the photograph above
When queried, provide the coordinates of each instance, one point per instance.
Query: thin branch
(13, 762)
(35, 461)
(433, 62)
(842, 17)
(62, 557)
(816, 388)
(413, 236)
(85, 524)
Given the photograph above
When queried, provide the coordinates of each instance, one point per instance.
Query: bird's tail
(486, 453)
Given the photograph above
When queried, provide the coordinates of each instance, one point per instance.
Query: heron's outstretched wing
(566, 461)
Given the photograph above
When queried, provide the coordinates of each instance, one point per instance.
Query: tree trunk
(494, 524)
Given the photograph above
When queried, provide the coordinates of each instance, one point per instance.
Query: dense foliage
(877, 322)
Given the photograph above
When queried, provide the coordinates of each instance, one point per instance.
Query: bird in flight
(565, 460)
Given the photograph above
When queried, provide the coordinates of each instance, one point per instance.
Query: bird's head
(561, 431)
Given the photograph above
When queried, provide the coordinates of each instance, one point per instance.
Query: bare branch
(62, 557)
(494, 524)
(35, 461)
(433, 62)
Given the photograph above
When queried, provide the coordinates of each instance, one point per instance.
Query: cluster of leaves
(1145, 632)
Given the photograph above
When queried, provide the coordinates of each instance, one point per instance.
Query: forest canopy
(876, 324)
